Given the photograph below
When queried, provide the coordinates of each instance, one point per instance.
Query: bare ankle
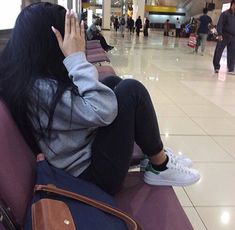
(158, 158)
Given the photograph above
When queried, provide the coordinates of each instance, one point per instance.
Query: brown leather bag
(54, 214)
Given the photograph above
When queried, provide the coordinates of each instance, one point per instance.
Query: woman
(62, 110)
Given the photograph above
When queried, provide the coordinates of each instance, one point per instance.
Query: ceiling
(177, 3)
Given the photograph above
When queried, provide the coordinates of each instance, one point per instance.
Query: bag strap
(6, 217)
(100, 205)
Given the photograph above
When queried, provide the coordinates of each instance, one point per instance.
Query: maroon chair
(17, 167)
(97, 58)
(93, 44)
(154, 207)
(95, 51)
(105, 71)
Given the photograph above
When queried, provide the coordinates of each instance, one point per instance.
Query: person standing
(116, 23)
(122, 25)
(226, 38)
(177, 28)
(146, 27)
(130, 25)
(138, 25)
(166, 27)
(202, 31)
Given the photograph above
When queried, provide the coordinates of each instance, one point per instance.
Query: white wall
(162, 18)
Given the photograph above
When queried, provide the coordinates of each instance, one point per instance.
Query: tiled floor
(196, 113)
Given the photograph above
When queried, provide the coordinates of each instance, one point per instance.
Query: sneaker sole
(148, 178)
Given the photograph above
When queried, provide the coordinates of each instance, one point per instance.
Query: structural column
(106, 14)
(138, 9)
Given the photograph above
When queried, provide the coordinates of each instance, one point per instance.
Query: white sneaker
(182, 160)
(174, 175)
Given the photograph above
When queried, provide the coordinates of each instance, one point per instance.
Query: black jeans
(113, 146)
(230, 54)
(102, 40)
(177, 32)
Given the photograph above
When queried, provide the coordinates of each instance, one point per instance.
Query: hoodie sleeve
(95, 104)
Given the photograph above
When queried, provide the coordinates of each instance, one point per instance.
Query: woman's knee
(133, 86)
(111, 81)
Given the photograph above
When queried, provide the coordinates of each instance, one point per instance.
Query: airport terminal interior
(195, 106)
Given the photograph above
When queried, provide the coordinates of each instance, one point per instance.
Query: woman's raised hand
(74, 35)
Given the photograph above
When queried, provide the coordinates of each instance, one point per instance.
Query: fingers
(58, 36)
(82, 30)
(67, 27)
(73, 20)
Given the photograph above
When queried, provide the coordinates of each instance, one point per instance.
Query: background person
(138, 26)
(122, 25)
(116, 23)
(177, 28)
(146, 27)
(226, 38)
(130, 25)
(166, 27)
(203, 27)
(93, 32)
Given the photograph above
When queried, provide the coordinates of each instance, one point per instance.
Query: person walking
(202, 31)
(138, 25)
(130, 25)
(226, 38)
(122, 25)
(116, 23)
(146, 27)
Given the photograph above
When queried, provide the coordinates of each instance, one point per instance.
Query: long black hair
(32, 53)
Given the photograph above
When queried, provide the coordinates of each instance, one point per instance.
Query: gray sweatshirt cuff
(74, 60)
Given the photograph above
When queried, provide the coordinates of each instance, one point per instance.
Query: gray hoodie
(69, 147)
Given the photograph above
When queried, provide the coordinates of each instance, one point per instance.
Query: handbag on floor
(192, 40)
(62, 201)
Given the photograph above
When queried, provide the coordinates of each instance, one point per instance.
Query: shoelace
(179, 167)
(170, 153)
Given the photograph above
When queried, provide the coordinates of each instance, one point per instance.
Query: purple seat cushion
(93, 45)
(95, 51)
(105, 71)
(92, 41)
(154, 207)
(95, 58)
(17, 165)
